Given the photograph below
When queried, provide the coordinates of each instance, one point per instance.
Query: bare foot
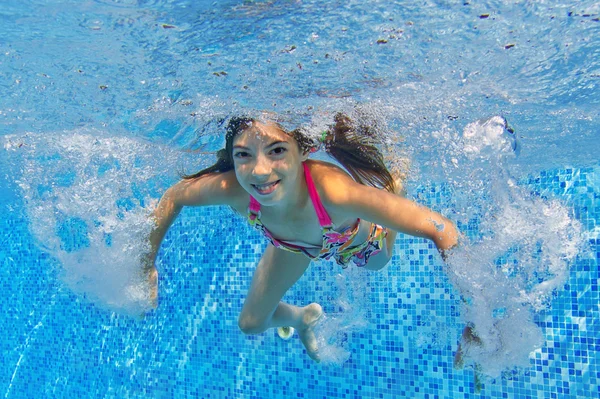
(399, 184)
(398, 168)
(312, 314)
(467, 339)
(399, 175)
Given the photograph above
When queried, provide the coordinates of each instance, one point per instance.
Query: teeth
(265, 187)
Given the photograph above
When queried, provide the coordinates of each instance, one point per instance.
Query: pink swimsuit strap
(324, 219)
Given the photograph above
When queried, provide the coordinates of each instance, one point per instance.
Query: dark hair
(351, 144)
(224, 156)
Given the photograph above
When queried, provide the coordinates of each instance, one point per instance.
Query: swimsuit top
(335, 244)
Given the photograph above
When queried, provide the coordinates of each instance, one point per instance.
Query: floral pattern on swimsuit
(336, 245)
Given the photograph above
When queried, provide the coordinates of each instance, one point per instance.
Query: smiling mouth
(265, 189)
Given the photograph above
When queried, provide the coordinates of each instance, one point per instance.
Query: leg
(276, 272)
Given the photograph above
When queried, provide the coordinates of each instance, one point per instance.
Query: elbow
(168, 204)
(168, 198)
(446, 238)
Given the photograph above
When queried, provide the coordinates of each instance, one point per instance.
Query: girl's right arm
(212, 189)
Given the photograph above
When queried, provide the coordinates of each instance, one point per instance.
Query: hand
(152, 275)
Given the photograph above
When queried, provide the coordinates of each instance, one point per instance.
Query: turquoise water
(104, 102)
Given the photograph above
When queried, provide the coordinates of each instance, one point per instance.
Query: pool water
(494, 103)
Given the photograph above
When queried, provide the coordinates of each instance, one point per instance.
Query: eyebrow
(241, 147)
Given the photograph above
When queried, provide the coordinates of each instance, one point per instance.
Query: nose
(262, 167)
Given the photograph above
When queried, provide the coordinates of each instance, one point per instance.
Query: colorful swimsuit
(335, 244)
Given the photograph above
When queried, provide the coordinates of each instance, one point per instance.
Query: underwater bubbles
(348, 316)
(87, 199)
(517, 256)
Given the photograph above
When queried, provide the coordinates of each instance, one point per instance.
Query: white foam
(520, 261)
(333, 329)
(87, 208)
(488, 134)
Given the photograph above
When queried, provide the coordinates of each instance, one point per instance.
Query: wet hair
(351, 144)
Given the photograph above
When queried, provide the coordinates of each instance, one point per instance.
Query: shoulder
(211, 189)
(335, 185)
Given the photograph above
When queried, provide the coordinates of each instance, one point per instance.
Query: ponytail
(352, 146)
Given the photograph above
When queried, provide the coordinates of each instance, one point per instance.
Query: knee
(250, 325)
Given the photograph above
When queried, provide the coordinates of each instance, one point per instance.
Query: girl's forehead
(263, 132)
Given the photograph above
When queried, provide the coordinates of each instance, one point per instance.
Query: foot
(399, 184)
(311, 315)
(467, 339)
(398, 167)
(399, 175)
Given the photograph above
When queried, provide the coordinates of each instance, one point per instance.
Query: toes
(468, 338)
(311, 348)
(312, 314)
(310, 344)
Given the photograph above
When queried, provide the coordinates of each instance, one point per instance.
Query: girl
(307, 209)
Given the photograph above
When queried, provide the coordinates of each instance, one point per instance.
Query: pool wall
(400, 326)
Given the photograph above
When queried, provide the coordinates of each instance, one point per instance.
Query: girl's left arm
(392, 211)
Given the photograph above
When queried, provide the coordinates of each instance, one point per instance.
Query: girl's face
(268, 163)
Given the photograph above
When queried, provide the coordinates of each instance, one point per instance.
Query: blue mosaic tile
(57, 344)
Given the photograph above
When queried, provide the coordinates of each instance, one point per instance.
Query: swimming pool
(105, 101)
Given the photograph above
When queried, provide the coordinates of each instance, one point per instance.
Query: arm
(212, 189)
(393, 211)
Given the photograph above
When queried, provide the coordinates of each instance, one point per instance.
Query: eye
(241, 154)
(278, 150)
